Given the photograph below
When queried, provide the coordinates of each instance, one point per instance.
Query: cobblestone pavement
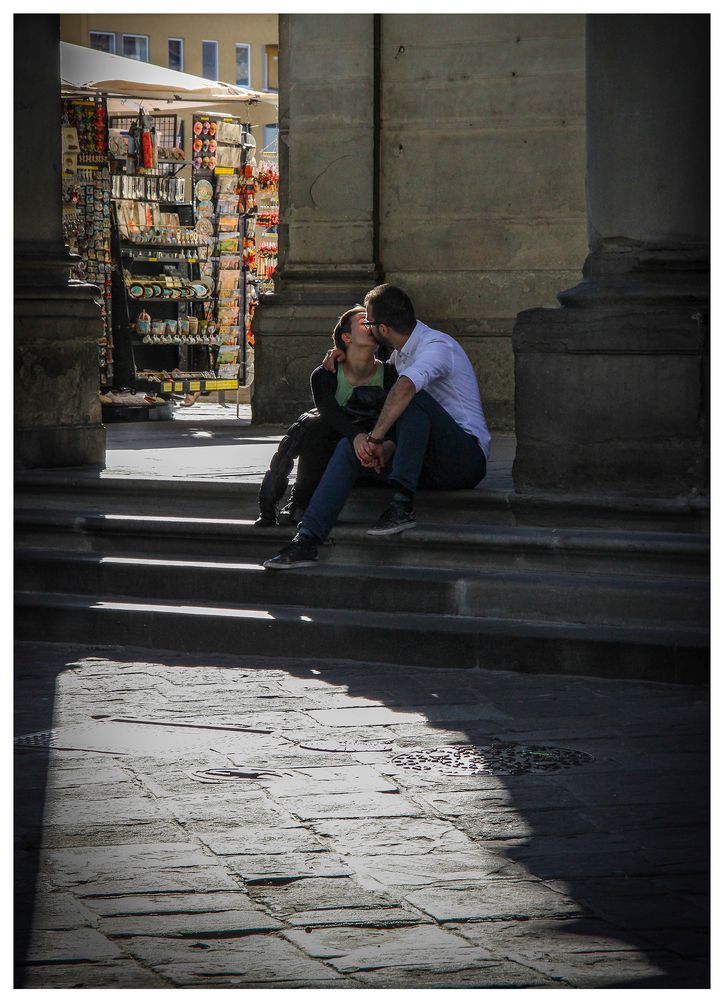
(318, 861)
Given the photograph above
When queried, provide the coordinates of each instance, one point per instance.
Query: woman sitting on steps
(347, 403)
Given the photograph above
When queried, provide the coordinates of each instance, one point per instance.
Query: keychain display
(223, 203)
(86, 200)
(267, 221)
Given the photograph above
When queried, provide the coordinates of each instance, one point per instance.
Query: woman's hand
(331, 358)
(362, 449)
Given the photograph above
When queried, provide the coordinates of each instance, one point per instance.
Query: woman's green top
(344, 389)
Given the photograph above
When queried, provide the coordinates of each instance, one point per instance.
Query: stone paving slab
(340, 870)
(494, 899)
(235, 961)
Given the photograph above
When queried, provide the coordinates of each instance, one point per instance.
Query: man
(441, 440)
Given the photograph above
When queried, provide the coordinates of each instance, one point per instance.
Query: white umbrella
(83, 69)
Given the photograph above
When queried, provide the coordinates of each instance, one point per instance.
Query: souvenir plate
(205, 209)
(205, 227)
(136, 291)
(148, 292)
(200, 291)
(203, 190)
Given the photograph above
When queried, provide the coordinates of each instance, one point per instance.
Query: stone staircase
(486, 580)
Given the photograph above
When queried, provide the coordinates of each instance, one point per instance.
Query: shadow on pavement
(614, 850)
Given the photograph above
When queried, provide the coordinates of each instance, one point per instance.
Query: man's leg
(433, 452)
(324, 508)
(330, 496)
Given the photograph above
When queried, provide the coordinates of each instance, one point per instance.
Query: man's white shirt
(435, 362)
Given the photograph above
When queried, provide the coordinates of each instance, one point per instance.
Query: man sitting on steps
(441, 440)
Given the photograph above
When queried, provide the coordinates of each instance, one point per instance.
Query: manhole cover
(495, 758)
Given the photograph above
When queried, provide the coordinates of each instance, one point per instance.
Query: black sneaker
(301, 551)
(290, 515)
(265, 520)
(399, 516)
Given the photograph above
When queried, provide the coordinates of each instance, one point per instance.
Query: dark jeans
(433, 452)
(316, 449)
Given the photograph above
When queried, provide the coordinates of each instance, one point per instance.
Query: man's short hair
(344, 325)
(393, 306)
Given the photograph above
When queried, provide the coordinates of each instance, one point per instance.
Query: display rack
(86, 191)
(219, 164)
(174, 255)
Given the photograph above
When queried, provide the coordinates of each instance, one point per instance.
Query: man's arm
(398, 399)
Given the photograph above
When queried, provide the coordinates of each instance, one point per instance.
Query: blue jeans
(433, 452)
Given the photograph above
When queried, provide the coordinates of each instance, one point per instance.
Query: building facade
(235, 48)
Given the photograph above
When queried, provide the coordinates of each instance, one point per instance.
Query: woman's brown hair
(344, 325)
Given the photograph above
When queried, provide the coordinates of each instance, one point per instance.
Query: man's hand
(373, 456)
(364, 450)
(331, 358)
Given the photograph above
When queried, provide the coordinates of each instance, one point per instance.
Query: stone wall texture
(482, 201)
(447, 156)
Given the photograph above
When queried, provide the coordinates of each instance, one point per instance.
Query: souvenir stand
(262, 235)
(86, 194)
(222, 178)
(163, 232)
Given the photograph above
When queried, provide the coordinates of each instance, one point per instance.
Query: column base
(612, 398)
(57, 409)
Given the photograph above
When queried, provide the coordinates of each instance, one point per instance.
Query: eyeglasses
(367, 323)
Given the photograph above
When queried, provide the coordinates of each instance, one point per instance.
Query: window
(176, 54)
(243, 73)
(210, 60)
(271, 67)
(135, 47)
(103, 41)
(271, 139)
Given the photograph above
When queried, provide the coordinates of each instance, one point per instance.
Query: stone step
(424, 640)
(227, 498)
(460, 546)
(563, 597)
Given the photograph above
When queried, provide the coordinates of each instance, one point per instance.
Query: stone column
(327, 236)
(611, 389)
(57, 321)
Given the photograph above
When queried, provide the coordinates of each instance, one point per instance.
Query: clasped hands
(373, 456)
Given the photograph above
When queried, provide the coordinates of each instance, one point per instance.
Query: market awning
(83, 69)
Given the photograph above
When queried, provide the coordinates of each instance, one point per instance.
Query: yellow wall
(256, 30)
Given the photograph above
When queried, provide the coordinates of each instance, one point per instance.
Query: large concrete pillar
(57, 321)
(611, 389)
(327, 153)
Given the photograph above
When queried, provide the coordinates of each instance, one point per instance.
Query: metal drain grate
(217, 775)
(37, 741)
(495, 758)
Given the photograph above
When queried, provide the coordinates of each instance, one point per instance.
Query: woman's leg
(315, 452)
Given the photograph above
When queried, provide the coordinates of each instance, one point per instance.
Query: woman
(347, 403)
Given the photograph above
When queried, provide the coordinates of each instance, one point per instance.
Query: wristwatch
(373, 440)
